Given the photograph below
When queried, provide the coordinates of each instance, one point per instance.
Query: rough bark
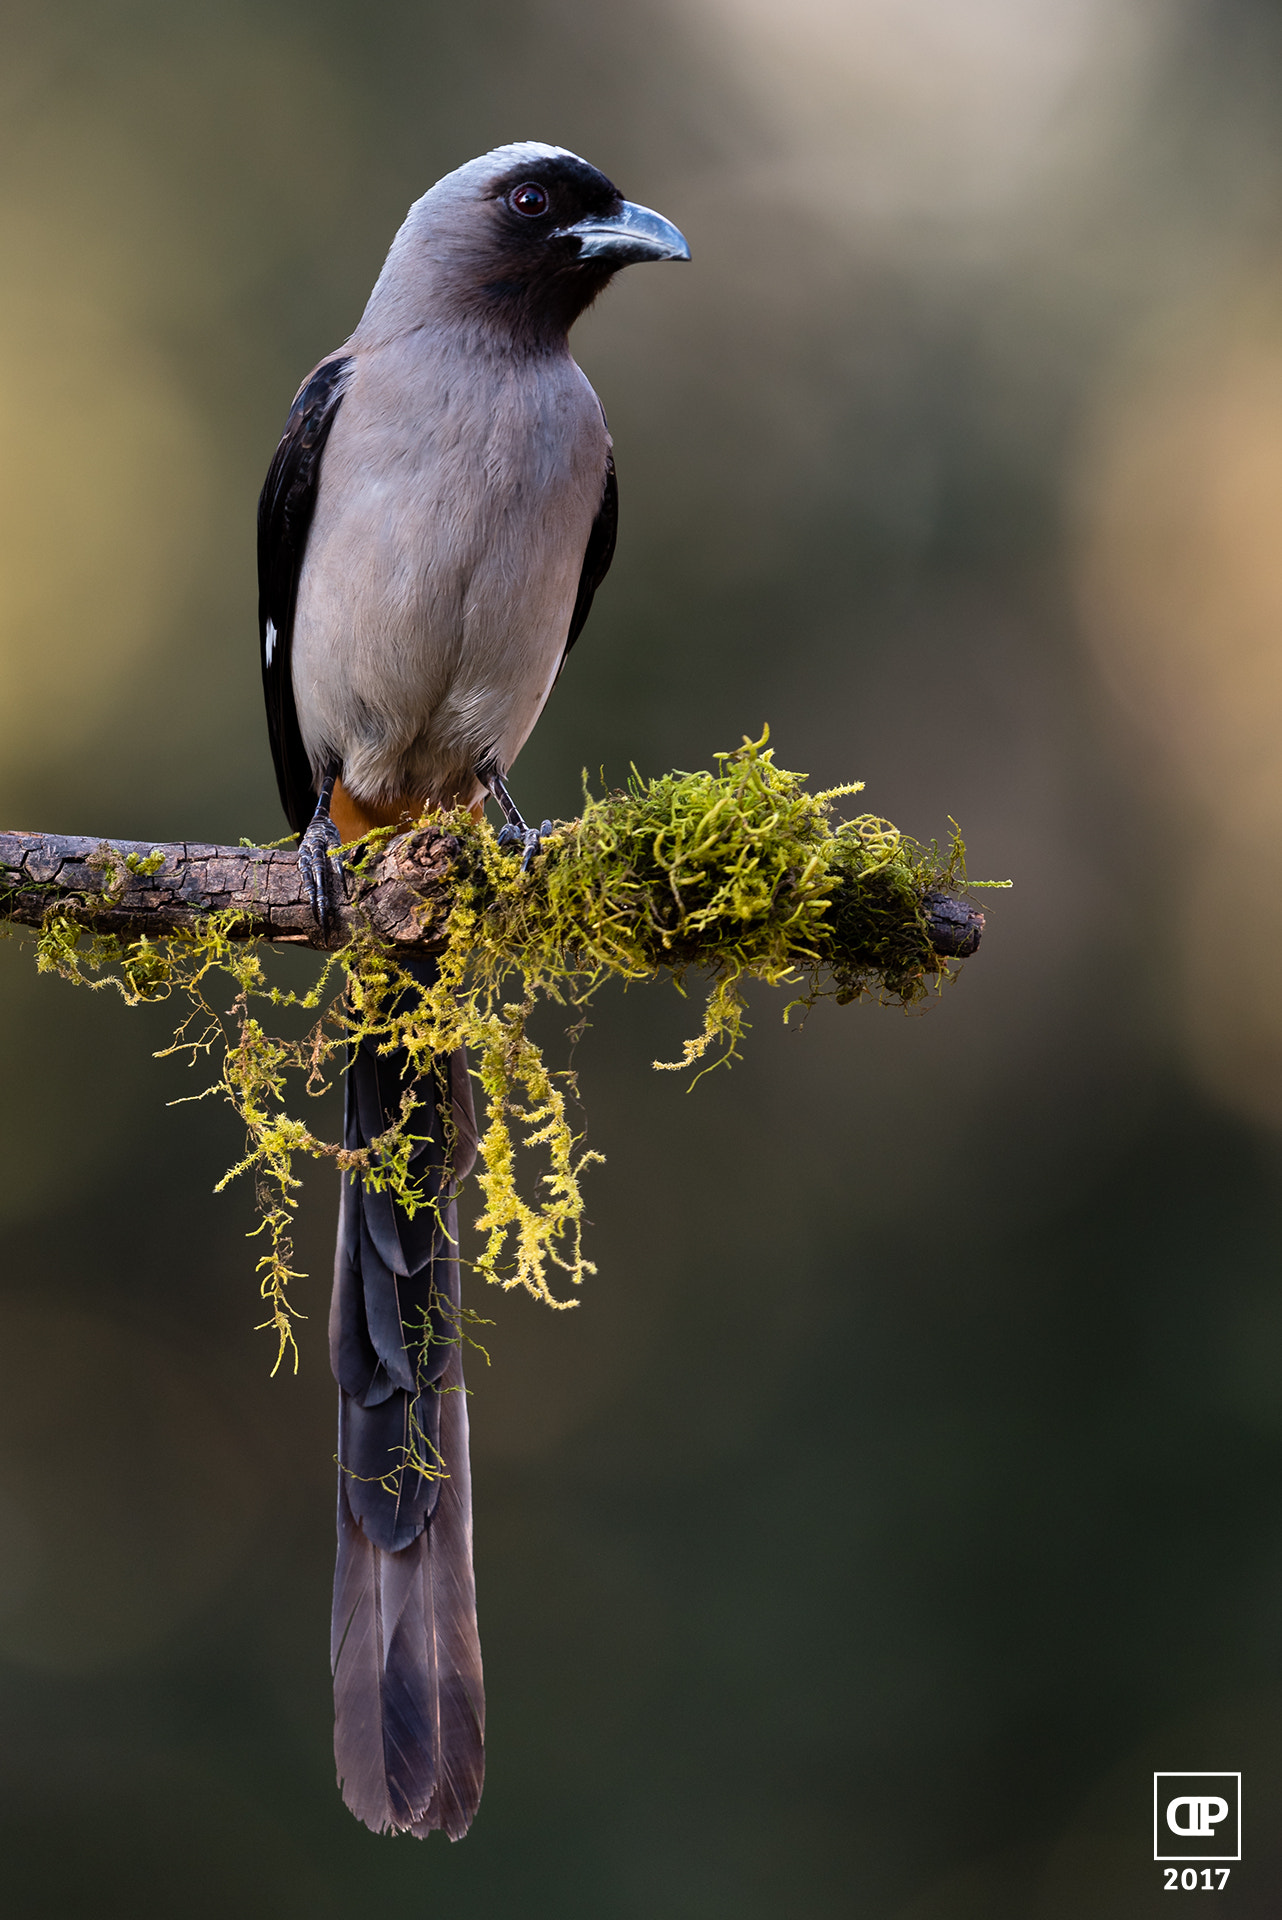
(405, 898)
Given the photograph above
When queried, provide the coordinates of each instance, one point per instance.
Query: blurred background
(906, 1487)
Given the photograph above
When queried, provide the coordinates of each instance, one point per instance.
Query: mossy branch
(742, 873)
(403, 892)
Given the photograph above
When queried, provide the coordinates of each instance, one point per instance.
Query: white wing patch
(269, 641)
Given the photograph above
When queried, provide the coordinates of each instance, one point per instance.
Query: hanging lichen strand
(742, 874)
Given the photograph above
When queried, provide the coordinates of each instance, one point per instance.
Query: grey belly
(414, 666)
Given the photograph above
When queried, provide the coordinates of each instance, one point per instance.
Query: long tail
(409, 1706)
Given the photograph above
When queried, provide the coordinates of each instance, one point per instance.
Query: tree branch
(132, 887)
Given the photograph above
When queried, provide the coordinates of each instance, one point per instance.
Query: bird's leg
(321, 877)
(515, 833)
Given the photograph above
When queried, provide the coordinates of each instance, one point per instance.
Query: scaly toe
(532, 841)
(322, 878)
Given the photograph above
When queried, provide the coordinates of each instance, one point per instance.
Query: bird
(438, 515)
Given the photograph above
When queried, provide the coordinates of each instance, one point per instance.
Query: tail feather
(385, 1314)
(385, 1742)
(460, 1697)
(392, 1503)
(408, 1696)
(409, 1700)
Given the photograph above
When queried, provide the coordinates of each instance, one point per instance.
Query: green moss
(741, 873)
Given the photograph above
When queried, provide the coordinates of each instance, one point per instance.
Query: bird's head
(526, 236)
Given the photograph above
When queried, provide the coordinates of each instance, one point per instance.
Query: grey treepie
(437, 517)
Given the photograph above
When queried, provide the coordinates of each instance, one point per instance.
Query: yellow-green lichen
(741, 873)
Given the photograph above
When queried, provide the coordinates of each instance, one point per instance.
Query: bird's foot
(322, 874)
(515, 833)
(531, 838)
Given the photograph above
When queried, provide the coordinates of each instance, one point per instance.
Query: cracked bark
(404, 899)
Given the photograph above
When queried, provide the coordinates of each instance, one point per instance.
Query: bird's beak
(633, 233)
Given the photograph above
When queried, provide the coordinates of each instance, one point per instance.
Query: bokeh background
(906, 1487)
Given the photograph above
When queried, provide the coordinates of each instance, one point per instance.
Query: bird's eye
(530, 199)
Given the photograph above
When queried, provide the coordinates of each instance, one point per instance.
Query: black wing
(600, 552)
(285, 509)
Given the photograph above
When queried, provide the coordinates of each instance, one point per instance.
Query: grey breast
(456, 497)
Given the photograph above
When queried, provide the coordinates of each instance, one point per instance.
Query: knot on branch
(404, 898)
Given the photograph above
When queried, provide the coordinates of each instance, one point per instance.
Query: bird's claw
(322, 876)
(531, 838)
